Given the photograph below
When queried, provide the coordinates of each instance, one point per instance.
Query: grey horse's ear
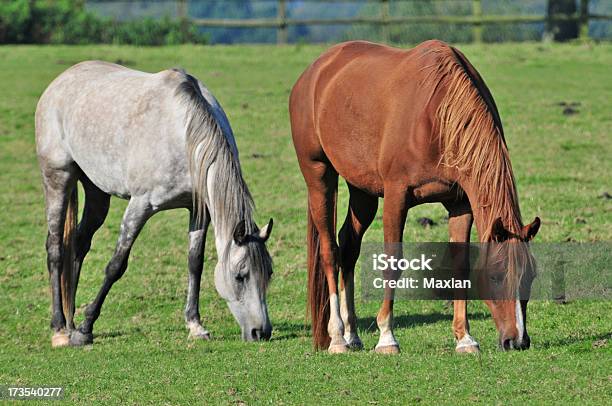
(240, 232)
(265, 232)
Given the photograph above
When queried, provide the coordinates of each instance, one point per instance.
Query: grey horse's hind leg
(197, 242)
(58, 185)
(134, 218)
(96, 207)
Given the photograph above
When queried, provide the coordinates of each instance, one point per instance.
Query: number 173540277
(31, 392)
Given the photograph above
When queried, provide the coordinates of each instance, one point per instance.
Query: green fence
(384, 19)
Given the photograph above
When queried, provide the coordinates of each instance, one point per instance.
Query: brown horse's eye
(496, 279)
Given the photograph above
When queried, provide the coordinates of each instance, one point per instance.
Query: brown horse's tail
(318, 292)
(70, 271)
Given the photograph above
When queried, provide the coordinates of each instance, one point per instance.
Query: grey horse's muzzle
(262, 334)
(259, 333)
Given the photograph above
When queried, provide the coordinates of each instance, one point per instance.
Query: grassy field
(141, 352)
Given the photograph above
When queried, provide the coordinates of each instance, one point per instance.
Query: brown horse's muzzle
(507, 343)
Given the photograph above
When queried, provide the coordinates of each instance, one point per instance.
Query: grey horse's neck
(229, 202)
(216, 176)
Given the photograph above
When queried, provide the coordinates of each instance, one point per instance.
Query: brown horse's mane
(471, 138)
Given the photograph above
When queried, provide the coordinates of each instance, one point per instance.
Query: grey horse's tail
(70, 271)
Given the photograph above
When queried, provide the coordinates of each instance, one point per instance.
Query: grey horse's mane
(207, 144)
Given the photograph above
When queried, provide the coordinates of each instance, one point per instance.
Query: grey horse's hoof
(197, 332)
(79, 339)
(60, 339)
(200, 335)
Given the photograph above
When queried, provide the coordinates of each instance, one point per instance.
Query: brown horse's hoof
(468, 349)
(387, 349)
(338, 349)
(60, 339)
(467, 345)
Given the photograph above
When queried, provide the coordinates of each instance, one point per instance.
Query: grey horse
(163, 142)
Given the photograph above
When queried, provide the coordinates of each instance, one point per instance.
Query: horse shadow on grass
(406, 321)
(289, 330)
(602, 338)
(112, 334)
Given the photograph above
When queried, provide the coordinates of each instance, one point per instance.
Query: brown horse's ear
(530, 230)
(240, 232)
(498, 231)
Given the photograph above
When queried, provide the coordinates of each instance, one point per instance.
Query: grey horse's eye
(242, 275)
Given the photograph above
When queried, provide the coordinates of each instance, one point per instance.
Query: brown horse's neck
(472, 143)
(490, 203)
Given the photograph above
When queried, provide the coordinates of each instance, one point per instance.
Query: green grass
(141, 352)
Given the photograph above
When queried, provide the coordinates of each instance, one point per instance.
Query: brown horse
(413, 126)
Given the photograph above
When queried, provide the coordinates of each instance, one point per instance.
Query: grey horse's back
(125, 129)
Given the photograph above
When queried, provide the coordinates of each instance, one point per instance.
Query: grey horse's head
(241, 278)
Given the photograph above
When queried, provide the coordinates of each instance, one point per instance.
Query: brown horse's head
(506, 271)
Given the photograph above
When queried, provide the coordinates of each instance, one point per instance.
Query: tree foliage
(67, 22)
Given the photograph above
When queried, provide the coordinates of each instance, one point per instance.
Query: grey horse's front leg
(136, 215)
(197, 243)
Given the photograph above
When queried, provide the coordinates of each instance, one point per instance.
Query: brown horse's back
(367, 108)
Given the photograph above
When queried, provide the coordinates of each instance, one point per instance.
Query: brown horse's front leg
(394, 217)
(459, 226)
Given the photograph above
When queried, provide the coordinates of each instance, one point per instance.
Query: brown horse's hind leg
(394, 217)
(322, 181)
(361, 212)
(459, 226)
